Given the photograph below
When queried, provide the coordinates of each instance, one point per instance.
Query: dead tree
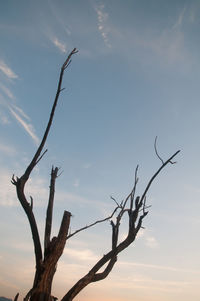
(46, 258)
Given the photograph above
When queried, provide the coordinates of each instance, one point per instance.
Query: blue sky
(136, 76)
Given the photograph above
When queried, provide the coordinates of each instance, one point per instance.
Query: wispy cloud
(7, 70)
(102, 17)
(27, 126)
(21, 112)
(82, 255)
(4, 95)
(179, 21)
(6, 91)
(149, 284)
(140, 234)
(16, 112)
(60, 45)
(151, 242)
(162, 46)
(158, 267)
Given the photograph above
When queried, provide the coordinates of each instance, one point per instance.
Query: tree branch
(106, 272)
(155, 147)
(136, 217)
(59, 88)
(16, 297)
(49, 213)
(93, 224)
(20, 182)
(31, 218)
(156, 174)
(134, 189)
(57, 244)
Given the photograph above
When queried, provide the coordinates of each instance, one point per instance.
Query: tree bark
(42, 289)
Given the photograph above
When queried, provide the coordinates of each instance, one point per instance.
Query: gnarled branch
(135, 207)
(20, 182)
(136, 216)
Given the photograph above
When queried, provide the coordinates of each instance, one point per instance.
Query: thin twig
(156, 173)
(134, 188)
(41, 156)
(155, 147)
(112, 198)
(95, 223)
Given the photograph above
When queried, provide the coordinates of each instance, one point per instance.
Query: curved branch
(156, 174)
(155, 147)
(37, 157)
(33, 225)
(106, 272)
(20, 182)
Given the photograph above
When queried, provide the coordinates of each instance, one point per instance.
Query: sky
(136, 76)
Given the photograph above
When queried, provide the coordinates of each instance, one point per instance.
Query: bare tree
(46, 258)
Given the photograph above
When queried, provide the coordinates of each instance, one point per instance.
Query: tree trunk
(42, 287)
(42, 292)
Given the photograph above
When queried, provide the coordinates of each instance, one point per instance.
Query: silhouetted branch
(156, 174)
(41, 156)
(112, 198)
(134, 189)
(20, 182)
(93, 224)
(155, 147)
(54, 172)
(59, 88)
(26, 298)
(106, 272)
(16, 297)
(53, 248)
(31, 204)
(59, 241)
(136, 216)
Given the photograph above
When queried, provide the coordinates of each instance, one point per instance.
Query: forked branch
(136, 213)
(133, 206)
(20, 182)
